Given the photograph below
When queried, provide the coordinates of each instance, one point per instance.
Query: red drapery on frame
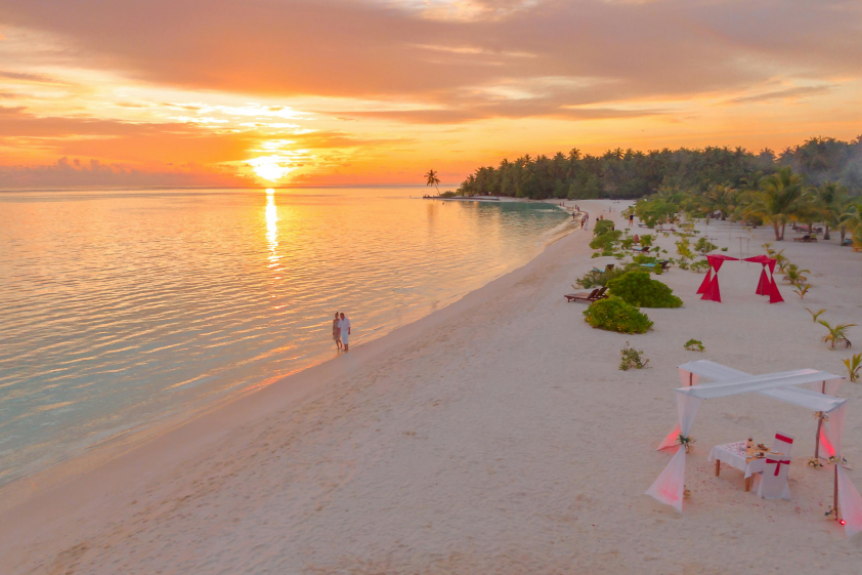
(711, 291)
(767, 285)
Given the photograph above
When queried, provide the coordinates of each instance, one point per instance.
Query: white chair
(782, 443)
(772, 483)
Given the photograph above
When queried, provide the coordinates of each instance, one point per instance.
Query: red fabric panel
(712, 292)
(783, 438)
(763, 286)
(705, 282)
(774, 294)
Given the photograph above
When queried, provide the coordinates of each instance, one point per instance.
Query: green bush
(598, 278)
(606, 241)
(614, 314)
(602, 227)
(637, 288)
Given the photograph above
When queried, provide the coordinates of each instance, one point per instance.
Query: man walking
(344, 324)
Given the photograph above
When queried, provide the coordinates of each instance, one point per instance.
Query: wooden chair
(583, 296)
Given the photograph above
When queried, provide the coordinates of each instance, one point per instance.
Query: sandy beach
(496, 435)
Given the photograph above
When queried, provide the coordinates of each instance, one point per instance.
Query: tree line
(634, 174)
(775, 199)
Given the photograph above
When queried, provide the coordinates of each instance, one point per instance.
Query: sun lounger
(641, 250)
(583, 296)
(806, 239)
(592, 296)
(847, 242)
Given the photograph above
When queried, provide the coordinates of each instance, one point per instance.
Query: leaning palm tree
(779, 198)
(850, 220)
(431, 179)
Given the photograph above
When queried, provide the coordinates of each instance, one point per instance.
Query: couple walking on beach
(341, 331)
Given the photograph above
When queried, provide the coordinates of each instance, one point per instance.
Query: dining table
(749, 460)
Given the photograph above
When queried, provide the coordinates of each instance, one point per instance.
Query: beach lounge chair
(592, 296)
(806, 239)
(583, 296)
(641, 250)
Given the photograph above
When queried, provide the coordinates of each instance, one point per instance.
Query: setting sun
(271, 168)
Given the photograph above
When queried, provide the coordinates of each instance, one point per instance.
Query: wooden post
(817, 442)
(835, 495)
(717, 467)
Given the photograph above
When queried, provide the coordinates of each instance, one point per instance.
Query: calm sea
(119, 309)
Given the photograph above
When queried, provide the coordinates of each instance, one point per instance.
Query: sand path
(495, 436)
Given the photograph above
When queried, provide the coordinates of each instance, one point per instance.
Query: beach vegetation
(700, 266)
(854, 367)
(600, 278)
(694, 345)
(631, 358)
(431, 179)
(704, 246)
(615, 314)
(646, 240)
(794, 275)
(602, 227)
(639, 289)
(801, 290)
(606, 241)
(836, 334)
(723, 180)
(815, 314)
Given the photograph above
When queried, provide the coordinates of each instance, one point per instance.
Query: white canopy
(732, 381)
(670, 485)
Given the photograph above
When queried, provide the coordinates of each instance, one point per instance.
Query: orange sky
(333, 92)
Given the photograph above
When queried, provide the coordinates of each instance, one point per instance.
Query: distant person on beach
(344, 324)
(336, 331)
(631, 220)
(585, 223)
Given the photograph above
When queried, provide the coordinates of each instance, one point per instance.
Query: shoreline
(496, 435)
(91, 458)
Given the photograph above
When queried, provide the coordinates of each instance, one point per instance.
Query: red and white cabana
(670, 485)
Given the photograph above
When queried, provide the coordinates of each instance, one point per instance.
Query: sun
(271, 168)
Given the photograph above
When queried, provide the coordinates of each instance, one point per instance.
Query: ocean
(119, 309)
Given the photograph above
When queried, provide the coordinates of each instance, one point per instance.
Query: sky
(205, 93)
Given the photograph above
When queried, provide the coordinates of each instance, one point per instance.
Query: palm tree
(778, 199)
(850, 220)
(830, 197)
(431, 179)
(837, 334)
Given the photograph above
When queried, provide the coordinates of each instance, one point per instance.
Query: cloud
(789, 93)
(652, 50)
(66, 173)
(26, 77)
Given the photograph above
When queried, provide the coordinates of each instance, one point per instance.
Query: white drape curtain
(849, 503)
(832, 433)
(830, 388)
(668, 488)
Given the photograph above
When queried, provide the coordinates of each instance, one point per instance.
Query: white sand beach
(494, 436)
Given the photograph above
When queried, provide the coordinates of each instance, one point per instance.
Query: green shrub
(598, 278)
(602, 227)
(646, 240)
(606, 241)
(637, 288)
(631, 358)
(614, 314)
(699, 266)
(704, 246)
(694, 345)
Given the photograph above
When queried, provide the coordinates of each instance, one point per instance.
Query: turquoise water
(119, 309)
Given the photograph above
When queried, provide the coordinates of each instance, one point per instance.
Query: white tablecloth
(734, 455)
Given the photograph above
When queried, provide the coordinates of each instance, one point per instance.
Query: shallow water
(118, 309)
